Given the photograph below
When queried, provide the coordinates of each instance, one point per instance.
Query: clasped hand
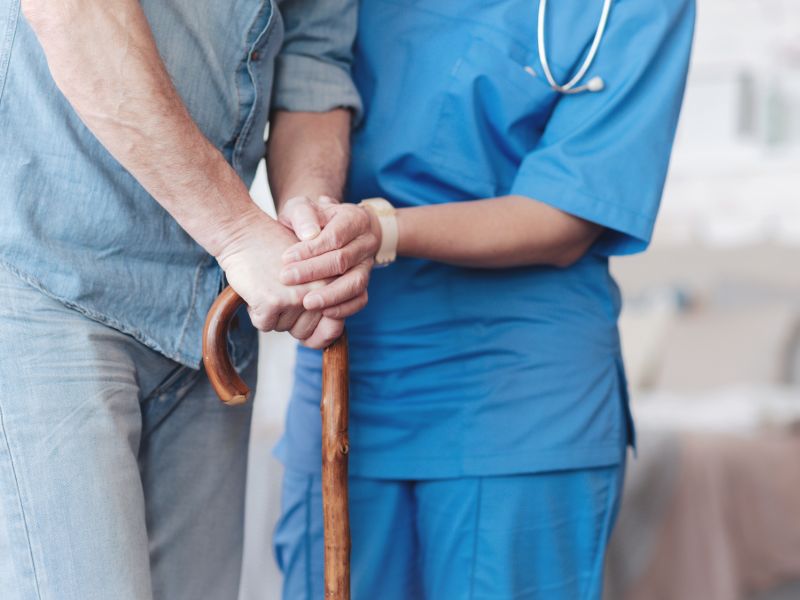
(311, 285)
(337, 240)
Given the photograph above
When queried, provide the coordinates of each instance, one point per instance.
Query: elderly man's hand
(337, 240)
(252, 260)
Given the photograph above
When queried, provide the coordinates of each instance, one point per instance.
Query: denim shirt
(75, 224)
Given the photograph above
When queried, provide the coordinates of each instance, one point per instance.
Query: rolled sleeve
(313, 68)
(603, 156)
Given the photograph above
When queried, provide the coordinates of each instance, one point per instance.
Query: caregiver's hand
(252, 259)
(345, 247)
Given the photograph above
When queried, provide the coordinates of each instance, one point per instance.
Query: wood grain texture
(335, 441)
(226, 381)
(335, 449)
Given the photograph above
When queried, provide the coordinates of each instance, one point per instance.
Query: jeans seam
(21, 507)
(168, 383)
(475, 539)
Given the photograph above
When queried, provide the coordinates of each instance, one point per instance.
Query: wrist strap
(387, 217)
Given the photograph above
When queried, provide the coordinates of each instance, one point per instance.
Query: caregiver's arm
(309, 140)
(307, 159)
(509, 231)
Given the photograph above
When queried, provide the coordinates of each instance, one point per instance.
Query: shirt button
(254, 55)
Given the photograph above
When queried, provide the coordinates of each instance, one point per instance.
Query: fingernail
(334, 312)
(314, 302)
(289, 277)
(291, 257)
(307, 231)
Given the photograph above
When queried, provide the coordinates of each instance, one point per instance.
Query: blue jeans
(121, 473)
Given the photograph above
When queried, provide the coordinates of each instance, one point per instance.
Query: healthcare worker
(489, 416)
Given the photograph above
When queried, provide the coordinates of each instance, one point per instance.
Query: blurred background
(710, 332)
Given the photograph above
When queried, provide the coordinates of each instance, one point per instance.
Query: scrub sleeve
(605, 159)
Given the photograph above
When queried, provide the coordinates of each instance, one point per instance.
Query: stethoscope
(595, 84)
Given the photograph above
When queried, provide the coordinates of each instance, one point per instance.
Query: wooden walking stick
(335, 443)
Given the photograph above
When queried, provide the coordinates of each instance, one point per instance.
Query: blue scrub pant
(521, 537)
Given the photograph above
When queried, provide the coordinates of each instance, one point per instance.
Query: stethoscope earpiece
(595, 84)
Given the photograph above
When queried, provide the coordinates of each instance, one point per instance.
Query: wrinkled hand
(337, 240)
(252, 261)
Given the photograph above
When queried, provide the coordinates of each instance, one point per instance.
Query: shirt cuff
(303, 83)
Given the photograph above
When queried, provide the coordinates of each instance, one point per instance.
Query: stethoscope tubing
(567, 88)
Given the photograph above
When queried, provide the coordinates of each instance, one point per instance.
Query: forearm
(499, 232)
(308, 154)
(103, 57)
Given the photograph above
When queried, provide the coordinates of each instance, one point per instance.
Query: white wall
(735, 170)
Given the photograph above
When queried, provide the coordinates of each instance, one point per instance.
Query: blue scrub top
(467, 372)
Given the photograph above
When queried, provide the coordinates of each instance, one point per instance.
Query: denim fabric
(121, 473)
(77, 225)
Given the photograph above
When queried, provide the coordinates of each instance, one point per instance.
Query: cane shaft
(335, 442)
(335, 449)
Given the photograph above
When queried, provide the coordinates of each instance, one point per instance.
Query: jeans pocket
(160, 402)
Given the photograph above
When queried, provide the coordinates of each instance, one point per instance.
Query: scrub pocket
(493, 114)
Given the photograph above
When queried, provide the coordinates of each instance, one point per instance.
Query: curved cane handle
(335, 442)
(226, 381)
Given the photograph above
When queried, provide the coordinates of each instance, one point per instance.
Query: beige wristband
(387, 217)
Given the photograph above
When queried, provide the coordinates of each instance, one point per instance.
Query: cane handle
(335, 442)
(226, 381)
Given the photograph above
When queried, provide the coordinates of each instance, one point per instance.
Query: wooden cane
(335, 443)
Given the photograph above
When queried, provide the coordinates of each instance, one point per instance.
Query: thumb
(300, 215)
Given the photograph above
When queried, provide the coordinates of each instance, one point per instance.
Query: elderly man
(129, 132)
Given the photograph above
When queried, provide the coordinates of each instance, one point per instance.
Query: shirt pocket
(492, 115)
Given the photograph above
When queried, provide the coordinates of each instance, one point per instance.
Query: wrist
(230, 232)
(211, 203)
